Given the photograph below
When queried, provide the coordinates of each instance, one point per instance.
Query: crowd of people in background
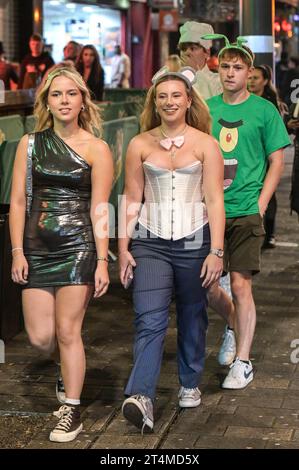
(86, 59)
(197, 53)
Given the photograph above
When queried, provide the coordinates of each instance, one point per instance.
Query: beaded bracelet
(14, 249)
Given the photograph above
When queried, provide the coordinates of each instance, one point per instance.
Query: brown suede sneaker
(69, 425)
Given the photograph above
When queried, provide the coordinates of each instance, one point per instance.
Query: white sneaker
(189, 397)
(138, 409)
(228, 348)
(239, 376)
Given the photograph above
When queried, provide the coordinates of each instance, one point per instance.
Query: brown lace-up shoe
(69, 425)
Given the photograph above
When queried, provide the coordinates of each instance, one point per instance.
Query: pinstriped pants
(164, 265)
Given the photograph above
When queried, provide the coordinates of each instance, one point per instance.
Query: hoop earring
(82, 107)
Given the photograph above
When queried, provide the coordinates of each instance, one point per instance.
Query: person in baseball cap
(194, 52)
(192, 32)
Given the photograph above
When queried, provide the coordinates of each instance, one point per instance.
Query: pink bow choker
(169, 142)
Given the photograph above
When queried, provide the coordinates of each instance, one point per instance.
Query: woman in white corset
(170, 236)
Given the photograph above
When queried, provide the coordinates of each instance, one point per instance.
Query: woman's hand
(125, 260)
(19, 269)
(101, 279)
(211, 270)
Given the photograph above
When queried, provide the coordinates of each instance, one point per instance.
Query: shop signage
(163, 4)
(168, 20)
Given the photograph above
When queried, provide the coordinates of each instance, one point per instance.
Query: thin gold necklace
(171, 138)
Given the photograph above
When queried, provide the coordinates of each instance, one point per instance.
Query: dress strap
(29, 173)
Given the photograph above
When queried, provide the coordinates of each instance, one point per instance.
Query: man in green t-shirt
(251, 134)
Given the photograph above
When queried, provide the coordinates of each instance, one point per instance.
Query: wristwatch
(217, 251)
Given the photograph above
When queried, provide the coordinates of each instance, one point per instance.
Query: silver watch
(217, 251)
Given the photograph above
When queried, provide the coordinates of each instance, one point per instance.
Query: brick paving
(264, 415)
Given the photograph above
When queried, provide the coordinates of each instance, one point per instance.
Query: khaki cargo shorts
(244, 237)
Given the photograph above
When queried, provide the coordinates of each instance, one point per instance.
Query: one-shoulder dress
(58, 237)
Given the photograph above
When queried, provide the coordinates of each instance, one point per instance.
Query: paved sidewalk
(264, 415)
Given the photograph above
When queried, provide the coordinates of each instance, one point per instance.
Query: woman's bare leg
(70, 308)
(39, 318)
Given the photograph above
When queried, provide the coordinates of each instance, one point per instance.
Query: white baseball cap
(191, 31)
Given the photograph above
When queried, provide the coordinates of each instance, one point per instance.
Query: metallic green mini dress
(58, 237)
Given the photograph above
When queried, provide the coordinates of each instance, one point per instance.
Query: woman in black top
(89, 66)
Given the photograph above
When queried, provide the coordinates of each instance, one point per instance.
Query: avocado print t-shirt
(248, 133)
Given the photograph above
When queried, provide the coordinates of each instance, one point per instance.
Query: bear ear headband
(228, 45)
(187, 74)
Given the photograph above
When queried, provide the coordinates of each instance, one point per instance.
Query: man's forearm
(270, 184)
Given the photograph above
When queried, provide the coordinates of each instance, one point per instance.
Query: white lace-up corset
(173, 206)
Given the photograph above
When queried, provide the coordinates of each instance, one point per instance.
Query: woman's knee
(44, 342)
(67, 335)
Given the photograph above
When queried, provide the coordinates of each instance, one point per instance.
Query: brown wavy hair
(198, 116)
(89, 118)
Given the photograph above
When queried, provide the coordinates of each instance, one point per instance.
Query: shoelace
(64, 409)
(144, 403)
(65, 414)
(238, 364)
(188, 392)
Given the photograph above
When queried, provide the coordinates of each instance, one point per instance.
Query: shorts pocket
(258, 231)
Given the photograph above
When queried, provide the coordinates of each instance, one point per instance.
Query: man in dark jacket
(35, 64)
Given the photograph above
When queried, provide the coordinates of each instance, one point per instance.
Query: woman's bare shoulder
(97, 143)
(23, 144)
(144, 137)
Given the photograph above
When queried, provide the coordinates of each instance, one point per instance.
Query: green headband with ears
(228, 45)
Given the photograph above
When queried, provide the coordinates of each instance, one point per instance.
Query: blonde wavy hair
(89, 118)
(197, 116)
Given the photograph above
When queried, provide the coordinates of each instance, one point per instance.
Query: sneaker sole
(189, 404)
(237, 388)
(67, 437)
(132, 413)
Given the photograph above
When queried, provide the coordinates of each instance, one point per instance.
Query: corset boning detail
(173, 205)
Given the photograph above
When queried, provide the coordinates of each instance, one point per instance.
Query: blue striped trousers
(164, 266)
